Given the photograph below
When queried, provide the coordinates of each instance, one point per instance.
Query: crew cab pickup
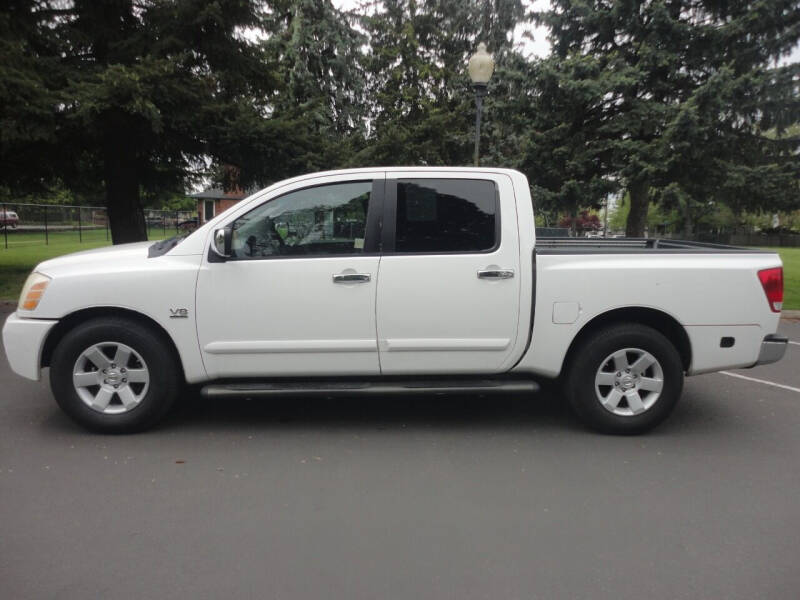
(389, 281)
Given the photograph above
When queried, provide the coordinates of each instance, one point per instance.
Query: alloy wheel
(110, 377)
(629, 382)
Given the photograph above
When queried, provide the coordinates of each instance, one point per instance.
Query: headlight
(32, 291)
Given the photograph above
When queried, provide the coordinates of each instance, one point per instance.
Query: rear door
(449, 285)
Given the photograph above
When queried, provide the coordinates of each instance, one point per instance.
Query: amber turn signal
(33, 290)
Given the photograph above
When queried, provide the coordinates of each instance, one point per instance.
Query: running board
(369, 388)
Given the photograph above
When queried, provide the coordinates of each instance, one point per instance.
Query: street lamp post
(480, 68)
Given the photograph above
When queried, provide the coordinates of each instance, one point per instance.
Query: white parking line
(794, 343)
(765, 382)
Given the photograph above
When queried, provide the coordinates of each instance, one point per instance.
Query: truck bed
(567, 245)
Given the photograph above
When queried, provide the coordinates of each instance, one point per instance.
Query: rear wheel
(114, 375)
(624, 379)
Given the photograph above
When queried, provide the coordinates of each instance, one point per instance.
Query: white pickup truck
(392, 280)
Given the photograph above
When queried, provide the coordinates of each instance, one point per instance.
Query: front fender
(23, 340)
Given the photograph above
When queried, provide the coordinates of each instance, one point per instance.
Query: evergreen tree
(677, 101)
(319, 61)
(727, 141)
(422, 106)
(28, 120)
(130, 94)
(687, 75)
(565, 154)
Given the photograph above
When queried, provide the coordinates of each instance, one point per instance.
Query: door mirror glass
(222, 242)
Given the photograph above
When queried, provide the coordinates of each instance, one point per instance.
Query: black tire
(579, 380)
(163, 370)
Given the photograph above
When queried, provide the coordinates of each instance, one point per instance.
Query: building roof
(218, 194)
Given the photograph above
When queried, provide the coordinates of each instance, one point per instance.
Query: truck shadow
(544, 411)
(373, 411)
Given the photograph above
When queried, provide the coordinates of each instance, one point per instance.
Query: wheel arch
(72, 320)
(662, 322)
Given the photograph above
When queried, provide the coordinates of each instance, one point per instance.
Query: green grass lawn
(27, 249)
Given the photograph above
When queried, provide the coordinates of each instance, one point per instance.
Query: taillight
(772, 282)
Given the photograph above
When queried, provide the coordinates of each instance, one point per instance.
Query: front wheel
(624, 379)
(114, 375)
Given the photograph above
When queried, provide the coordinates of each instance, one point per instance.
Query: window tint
(445, 215)
(327, 219)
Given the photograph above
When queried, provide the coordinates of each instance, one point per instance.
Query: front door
(298, 295)
(208, 210)
(448, 295)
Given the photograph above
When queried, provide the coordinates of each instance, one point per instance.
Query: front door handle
(351, 278)
(495, 273)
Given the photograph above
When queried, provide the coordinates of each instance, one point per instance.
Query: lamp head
(481, 66)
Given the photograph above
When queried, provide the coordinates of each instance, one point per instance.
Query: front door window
(319, 221)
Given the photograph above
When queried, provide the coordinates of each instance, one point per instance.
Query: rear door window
(446, 215)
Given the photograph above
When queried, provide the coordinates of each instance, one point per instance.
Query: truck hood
(108, 255)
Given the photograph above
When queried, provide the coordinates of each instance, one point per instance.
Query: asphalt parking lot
(414, 498)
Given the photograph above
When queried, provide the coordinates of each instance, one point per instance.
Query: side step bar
(369, 388)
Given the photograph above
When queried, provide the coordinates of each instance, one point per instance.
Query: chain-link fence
(33, 224)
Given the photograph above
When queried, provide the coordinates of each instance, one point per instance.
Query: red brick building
(213, 201)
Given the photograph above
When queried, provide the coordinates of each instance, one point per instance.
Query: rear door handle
(495, 273)
(351, 278)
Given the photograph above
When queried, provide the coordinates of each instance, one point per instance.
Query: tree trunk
(639, 192)
(125, 216)
(574, 226)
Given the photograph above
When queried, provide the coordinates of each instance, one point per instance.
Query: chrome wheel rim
(629, 382)
(110, 378)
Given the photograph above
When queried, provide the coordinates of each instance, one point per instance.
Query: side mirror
(222, 242)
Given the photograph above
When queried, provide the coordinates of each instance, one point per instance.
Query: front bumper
(772, 349)
(23, 340)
